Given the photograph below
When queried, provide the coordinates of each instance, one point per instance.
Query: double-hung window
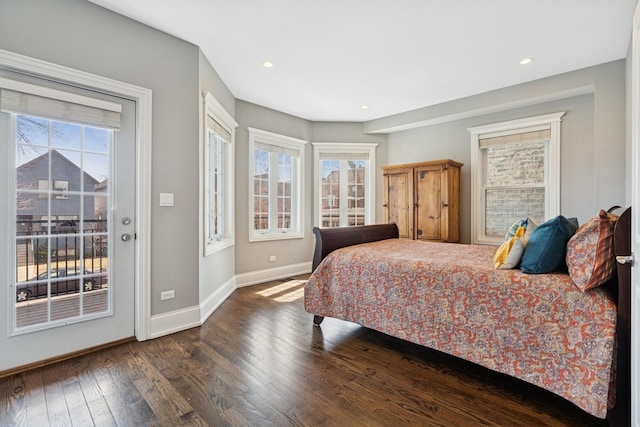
(219, 132)
(344, 183)
(275, 185)
(515, 173)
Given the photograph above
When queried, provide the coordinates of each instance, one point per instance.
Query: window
(60, 188)
(43, 188)
(515, 173)
(275, 185)
(344, 184)
(219, 132)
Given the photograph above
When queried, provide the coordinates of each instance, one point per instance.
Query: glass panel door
(62, 195)
(356, 192)
(330, 210)
(344, 192)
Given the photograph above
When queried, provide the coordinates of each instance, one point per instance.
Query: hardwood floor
(259, 361)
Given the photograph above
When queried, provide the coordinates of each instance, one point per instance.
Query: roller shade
(277, 149)
(218, 128)
(344, 156)
(58, 109)
(516, 138)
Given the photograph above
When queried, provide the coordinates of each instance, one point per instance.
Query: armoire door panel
(428, 205)
(451, 205)
(399, 202)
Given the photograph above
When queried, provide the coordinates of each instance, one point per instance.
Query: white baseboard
(174, 321)
(260, 276)
(213, 301)
(180, 320)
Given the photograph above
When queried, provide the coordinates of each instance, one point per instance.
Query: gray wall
(592, 138)
(81, 35)
(254, 256)
(218, 268)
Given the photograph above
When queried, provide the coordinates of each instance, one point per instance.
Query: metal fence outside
(42, 244)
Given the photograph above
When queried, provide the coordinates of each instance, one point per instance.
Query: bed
(539, 328)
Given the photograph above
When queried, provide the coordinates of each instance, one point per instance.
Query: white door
(70, 227)
(635, 221)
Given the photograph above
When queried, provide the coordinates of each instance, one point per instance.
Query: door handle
(126, 237)
(625, 259)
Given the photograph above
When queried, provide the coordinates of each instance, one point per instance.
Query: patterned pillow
(547, 246)
(509, 253)
(590, 255)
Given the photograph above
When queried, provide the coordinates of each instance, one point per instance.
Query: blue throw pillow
(547, 246)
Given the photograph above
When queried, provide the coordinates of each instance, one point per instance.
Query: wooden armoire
(423, 199)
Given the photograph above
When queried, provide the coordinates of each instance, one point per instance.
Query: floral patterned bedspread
(539, 328)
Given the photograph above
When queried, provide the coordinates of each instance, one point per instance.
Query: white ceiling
(333, 56)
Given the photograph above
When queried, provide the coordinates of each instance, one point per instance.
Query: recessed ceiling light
(365, 107)
(526, 61)
(267, 64)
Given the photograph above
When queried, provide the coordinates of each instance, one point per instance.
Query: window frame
(256, 138)
(550, 122)
(342, 149)
(213, 244)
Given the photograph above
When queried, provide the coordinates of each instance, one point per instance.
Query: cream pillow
(510, 252)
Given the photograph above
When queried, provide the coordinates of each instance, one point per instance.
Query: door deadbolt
(126, 220)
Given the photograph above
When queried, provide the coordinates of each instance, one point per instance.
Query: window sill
(275, 236)
(213, 247)
(492, 241)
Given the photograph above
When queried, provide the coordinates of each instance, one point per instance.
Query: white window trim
(320, 148)
(552, 167)
(214, 109)
(297, 214)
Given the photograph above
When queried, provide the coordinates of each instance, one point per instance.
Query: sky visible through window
(35, 136)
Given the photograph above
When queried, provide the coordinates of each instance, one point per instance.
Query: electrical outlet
(272, 258)
(167, 295)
